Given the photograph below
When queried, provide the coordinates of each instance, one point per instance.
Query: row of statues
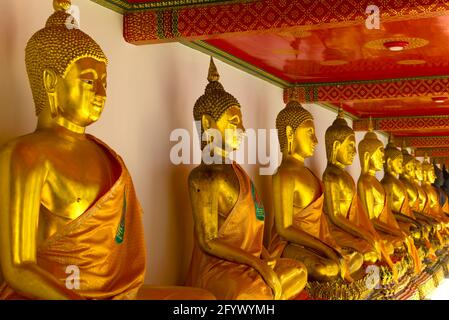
(68, 204)
(327, 229)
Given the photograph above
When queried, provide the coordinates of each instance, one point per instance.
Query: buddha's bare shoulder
(209, 174)
(27, 147)
(332, 174)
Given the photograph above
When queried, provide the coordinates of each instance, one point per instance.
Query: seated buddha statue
(433, 207)
(349, 222)
(438, 184)
(301, 227)
(407, 177)
(229, 258)
(445, 186)
(396, 191)
(71, 224)
(374, 200)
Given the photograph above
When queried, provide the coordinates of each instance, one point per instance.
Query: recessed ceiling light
(439, 99)
(395, 45)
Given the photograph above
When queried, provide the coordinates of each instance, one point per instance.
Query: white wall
(151, 91)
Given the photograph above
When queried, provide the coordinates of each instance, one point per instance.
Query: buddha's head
(67, 71)
(393, 159)
(428, 171)
(439, 178)
(296, 131)
(371, 152)
(340, 142)
(218, 112)
(418, 170)
(408, 164)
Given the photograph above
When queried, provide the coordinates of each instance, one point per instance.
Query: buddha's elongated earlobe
(50, 81)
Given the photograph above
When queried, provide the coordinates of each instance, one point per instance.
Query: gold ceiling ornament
(413, 43)
(411, 62)
(333, 62)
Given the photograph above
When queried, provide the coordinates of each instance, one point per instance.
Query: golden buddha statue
(228, 258)
(396, 191)
(350, 224)
(301, 227)
(433, 207)
(69, 215)
(374, 200)
(407, 177)
(418, 177)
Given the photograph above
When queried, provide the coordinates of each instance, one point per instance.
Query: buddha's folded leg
(354, 261)
(318, 267)
(346, 240)
(292, 275)
(231, 281)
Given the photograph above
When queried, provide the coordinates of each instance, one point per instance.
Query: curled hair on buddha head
(338, 131)
(370, 142)
(56, 47)
(215, 100)
(406, 156)
(293, 115)
(391, 151)
(426, 165)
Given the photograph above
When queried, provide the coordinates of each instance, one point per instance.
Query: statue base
(339, 290)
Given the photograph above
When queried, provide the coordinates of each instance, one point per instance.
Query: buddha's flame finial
(62, 5)
(391, 139)
(404, 145)
(213, 72)
(341, 113)
(370, 124)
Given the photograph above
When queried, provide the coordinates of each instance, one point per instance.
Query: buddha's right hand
(271, 279)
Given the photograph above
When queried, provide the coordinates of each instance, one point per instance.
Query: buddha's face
(377, 159)
(431, 175)
(397, 165)
(418, 171)
(230, 126)
(82, 92)
(305, 139)
(346, 152)
(409, 169)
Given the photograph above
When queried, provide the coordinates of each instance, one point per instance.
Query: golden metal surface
(229, 258)
(55, 180)
(298, 203)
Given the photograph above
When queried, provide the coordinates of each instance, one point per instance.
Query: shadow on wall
(180, 225)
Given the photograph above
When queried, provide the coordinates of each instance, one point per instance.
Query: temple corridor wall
(151, 92)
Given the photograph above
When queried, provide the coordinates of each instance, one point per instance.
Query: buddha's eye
(89, 82)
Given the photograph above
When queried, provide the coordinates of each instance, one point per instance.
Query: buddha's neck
(46, 121)
(298, 158)
(406, 176)
(391, 173)
(338, 164)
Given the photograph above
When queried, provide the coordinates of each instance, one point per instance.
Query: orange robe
(357, 215)
(106, 243)
(243, 229)
(310, 219)
(387, 217)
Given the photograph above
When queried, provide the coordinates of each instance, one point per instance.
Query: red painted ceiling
(383, 108)
(300, 58)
